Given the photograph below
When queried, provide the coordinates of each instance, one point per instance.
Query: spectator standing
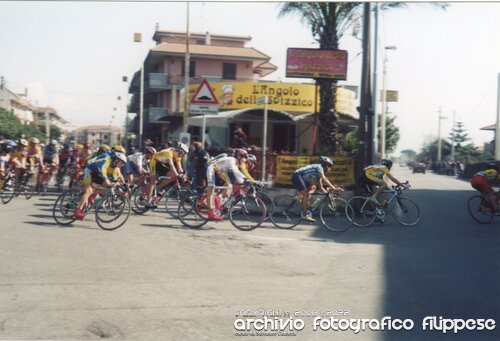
(240, 139)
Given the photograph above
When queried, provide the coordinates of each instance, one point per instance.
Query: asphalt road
(153, 279)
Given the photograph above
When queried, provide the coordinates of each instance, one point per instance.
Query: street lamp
(138, 39)
(384, 101)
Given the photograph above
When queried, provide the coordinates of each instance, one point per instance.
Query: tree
(410, 153)
(429, 151)
(458, 138)
(328, 22)
(391, 135)
(12, 128)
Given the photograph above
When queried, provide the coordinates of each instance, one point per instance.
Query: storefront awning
(222, 118)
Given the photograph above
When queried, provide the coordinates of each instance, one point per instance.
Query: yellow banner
(342, 172)
(281, 96)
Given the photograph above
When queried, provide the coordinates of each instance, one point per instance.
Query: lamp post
(138, 39)
(440, 117)
(384, 101)
(185, 117)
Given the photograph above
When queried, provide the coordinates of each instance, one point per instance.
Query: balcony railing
(162, 81)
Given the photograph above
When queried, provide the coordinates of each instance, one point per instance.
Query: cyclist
(35, 158)
(50, 159)
(64, 157)
(165, 162)
(84, 155)
(135, 163)
(18, 157)
(227, 169)
(312, 175)
(482, 181)
(98, 171)
(374, 176)
(6, 147)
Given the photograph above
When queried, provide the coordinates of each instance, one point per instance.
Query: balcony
(162, 81)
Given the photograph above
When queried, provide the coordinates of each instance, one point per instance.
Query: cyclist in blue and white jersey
(310, 175)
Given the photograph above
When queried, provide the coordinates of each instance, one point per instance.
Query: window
(229, 71)
(192, 68)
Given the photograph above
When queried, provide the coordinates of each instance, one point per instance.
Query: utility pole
(439, 134)
(497, 130)
(365, 114)
(374, 86)
(185, 118)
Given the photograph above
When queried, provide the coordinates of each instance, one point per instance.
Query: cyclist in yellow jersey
(374, 176)
(247, 165)
(19, 156)
(35, 157)
(165, 162)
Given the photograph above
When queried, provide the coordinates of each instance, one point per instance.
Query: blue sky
(72, 55)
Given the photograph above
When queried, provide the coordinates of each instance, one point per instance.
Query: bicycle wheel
(405, 211)
(333, 214)
(112, 212)
(28, 187)
(172, 199)
(361, 211)
(286, 213)
(193, 211)
(9, 190)
(268, 201)
(65, 207)
(136, 195)
(247, 213)
(479, 210)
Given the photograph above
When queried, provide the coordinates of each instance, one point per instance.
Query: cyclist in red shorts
(482, 182)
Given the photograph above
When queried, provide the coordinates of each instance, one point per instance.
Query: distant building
(40, 116)
(17, 104)
(97, 135)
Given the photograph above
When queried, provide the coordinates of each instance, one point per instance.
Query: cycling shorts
(219, 179)
(478, 182)
(298, 182)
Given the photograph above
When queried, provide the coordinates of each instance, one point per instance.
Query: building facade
(235, 73)
(96, 135)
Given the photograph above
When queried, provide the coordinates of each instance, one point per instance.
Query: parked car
(419, 167)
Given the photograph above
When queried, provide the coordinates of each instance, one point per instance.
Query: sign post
(204, 102)
(263, 100)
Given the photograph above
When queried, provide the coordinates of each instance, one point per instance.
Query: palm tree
(328, 22)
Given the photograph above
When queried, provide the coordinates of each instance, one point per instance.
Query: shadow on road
(448, 265)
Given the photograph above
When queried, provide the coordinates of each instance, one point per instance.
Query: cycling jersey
(375, 173)
(307, 175)
(49, 154)
(134, 164)
(163, 156)
(64, 154)
(488, 174)
(226, 168)
(244, 169)
(99, 168)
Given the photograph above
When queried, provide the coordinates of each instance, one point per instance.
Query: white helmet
(182, 148)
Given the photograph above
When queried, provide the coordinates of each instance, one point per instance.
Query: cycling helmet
(252, 158)
(240, 153)
(34, 140)
(387, 163)
(181, 147)
(22, 142)
(120, 156)
(12, 144)
(103, 149)
(492, 165)
(149, 151)
(86, 145)
(8, 148)
(76, 147)
(326, 161)
(53, 143)
(118, 148)
(66, 145)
